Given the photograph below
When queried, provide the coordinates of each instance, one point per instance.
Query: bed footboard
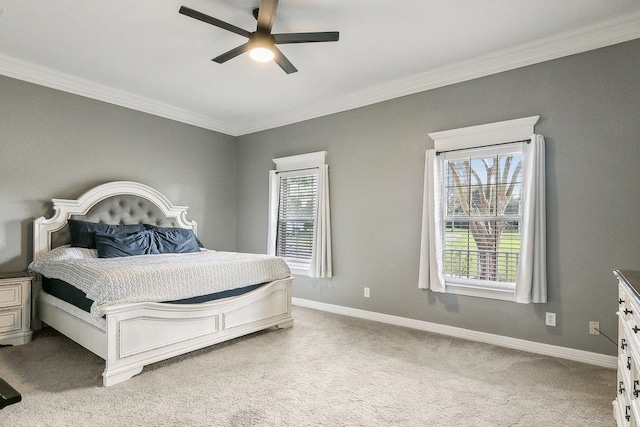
(143, 333)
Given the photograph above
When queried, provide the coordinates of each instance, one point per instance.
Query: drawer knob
(620, 300)
(628, 311)
(636, 392)
(627, 411)
(621, 387)
(628, 363)
(635, 329)
(623, 344)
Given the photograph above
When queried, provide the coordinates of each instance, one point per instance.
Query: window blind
(296, 216)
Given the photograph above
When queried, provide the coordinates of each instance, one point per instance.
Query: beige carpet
(328, 370)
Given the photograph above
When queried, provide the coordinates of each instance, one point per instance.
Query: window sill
(298, 268)
(474, 291)
(299, 272)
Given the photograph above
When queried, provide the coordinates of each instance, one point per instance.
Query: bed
(131, 334)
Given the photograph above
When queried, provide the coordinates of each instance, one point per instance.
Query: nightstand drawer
(11, 295)
(10, 320)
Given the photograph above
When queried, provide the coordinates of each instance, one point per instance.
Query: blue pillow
(121, 245)
(83, 232)
(170, 240)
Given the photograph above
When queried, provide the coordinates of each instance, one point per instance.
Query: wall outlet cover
(550, 319)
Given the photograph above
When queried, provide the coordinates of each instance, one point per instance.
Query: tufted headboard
(119, 202)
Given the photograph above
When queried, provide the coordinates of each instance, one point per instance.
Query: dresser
(15, 308)
(626, 407)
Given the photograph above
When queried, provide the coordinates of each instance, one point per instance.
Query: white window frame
(303, 164)
(471, 139)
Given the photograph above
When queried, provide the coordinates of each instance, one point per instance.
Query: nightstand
(15, 308)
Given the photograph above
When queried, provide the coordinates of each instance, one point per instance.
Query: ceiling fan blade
(231, 54)
(213, 21)
(283, 62)
(327, 36)
(266, 15)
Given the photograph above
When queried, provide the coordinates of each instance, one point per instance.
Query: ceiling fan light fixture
(262, 47)
(261, 54)
(262, 44)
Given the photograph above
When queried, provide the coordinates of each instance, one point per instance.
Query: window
(483, 228)
(297, 203)
(482, 215)
(299, 214)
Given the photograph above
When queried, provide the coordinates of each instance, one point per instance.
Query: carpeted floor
(328, 370)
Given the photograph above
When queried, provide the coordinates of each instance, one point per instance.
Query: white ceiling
(144, 55)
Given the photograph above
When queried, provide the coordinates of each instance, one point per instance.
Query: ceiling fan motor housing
(262, 39)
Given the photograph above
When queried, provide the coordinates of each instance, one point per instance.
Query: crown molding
(48, 77)
(606, 33)
(591, 37)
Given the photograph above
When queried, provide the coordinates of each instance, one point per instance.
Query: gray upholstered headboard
(120, 202)
(120, 209)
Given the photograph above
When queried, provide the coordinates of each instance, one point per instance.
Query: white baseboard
(499, 340)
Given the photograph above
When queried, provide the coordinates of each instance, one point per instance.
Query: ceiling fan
(262, 44)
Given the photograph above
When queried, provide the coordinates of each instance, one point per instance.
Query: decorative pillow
(120, 245)
(174, 239)
(83, 232)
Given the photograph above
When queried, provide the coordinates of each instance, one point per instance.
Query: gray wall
(589, 106)
(58, 145)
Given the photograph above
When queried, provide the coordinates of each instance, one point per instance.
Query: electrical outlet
(594, 328)
(550, 319)
(367, 292)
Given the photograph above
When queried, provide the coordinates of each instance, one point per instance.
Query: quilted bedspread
(158, 277)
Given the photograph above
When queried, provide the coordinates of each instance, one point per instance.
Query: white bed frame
(134, 335)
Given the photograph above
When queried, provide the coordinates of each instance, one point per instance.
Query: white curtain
(273, 212)
(531, 281)
(321, 258)
(431, 273)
